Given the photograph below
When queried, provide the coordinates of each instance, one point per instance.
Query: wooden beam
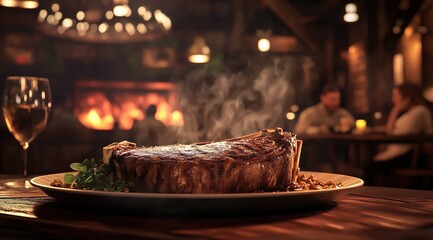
(234, 43)
(308, 19)
(279, 44)
(405, 16)
(291, 17)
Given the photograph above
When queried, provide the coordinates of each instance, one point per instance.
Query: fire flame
(95, 111)
(92, 119)
(176, 118)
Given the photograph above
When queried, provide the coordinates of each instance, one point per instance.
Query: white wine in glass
(26, 105)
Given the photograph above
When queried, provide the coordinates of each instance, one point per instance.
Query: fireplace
(106, 105)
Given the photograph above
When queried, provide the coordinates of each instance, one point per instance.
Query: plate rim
(358, 182)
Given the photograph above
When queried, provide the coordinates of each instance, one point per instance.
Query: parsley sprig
(93, 176)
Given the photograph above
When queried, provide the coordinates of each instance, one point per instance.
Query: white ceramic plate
(201, 203)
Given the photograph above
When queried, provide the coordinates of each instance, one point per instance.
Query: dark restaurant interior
(262, 63)
(216, 119)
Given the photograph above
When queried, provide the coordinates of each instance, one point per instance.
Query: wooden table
(367, 137)
(366, 213)
(362, 146)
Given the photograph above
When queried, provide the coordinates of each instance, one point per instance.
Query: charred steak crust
(260, 161)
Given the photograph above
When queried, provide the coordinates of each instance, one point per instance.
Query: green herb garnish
(92, 176)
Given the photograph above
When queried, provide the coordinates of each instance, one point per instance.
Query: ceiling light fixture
(121, 8)
(264, 45)
(103, 21)
(351, 14)
(28, 4)
(199, 52)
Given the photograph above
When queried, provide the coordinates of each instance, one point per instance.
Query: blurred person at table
(409, 116)
(149, 131)
(325, 116)
(322, 118)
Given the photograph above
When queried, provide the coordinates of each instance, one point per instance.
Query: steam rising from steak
(266, 160)
(221, 105)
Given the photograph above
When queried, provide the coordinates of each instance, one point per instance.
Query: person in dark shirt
(149, 131)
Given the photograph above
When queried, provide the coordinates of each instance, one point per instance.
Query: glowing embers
(105, 106)
(95, 112)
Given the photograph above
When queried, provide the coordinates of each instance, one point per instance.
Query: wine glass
(26, 105)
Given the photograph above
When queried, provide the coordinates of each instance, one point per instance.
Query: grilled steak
(266, 160)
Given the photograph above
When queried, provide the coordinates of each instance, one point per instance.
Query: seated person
(150, 131)
(325, 116)
(409, 115)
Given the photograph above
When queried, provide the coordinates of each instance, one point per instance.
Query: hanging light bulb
(121, 8)
(263, 45)
(199, 52)
(117, 22)
(351, 14)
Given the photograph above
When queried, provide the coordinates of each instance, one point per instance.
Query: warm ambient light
(67, 23)
(351, 17)
(264, 45)
(351, 14)
(176, 118)
(55, 7)
(351, 8)
(199, 52)
(377, 115)
(121, 8)
(398, 68)
(95, 111)
(28, 4)
(117, 22)
(360, 124)
(121, 11)
(290, 115)
(198, 58)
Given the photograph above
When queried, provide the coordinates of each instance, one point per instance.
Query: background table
(366, 213)
(360, 149)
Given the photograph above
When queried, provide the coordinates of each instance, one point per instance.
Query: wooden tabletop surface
(366, 213)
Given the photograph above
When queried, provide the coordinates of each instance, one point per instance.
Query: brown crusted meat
(267, 160)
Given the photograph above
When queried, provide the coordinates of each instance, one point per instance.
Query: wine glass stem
(25, 146)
